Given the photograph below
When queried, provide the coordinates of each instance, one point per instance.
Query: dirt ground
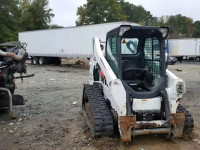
(52, 117)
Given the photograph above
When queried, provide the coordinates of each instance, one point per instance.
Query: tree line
(28, 15)
(23, 15)
(98, 11)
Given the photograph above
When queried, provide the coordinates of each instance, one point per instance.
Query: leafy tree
(180, 26)
(35, 15)
(26, 20)
(98, 11)
(137, 14)
(82, 13)
(162, 21)
(197, 29)
(9, 15)
(54, 26)
(23, 15)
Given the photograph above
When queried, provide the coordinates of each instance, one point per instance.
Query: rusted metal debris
(146, 125)
(126, 124)
(152, 131)
(177, 121)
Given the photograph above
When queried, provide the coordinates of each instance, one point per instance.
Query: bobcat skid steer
(130, 87)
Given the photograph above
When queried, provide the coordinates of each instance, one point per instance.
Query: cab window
(152, 55)
(129, 46)
(112, 54)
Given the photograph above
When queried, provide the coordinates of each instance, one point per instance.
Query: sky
(65, 10)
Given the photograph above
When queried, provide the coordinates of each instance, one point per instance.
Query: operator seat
(139, 76)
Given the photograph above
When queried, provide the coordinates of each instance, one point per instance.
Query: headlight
(180, 87)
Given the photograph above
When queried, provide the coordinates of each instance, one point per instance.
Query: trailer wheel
(42, 61)
(35, 60)
(57, 61)
(197, 59)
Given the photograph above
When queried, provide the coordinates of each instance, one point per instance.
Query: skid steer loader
(130, 87)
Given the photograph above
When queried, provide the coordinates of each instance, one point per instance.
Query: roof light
(123, 29)
(164, 31)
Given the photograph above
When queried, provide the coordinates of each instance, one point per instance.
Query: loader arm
(100, 60)
(109, 80)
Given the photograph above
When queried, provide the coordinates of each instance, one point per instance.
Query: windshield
(129, 46)
(141, 62)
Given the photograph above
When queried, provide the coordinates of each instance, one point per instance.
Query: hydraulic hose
(17, 57)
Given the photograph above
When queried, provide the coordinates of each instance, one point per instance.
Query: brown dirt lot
(52, 117)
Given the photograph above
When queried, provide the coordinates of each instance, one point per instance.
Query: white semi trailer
(188, 48)
(45, 46)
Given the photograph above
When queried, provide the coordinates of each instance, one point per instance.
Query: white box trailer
(71, 42)
(189, 48)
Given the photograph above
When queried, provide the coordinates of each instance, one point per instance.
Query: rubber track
(103, 121)
(189, 121)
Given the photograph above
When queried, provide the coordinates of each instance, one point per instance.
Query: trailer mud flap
(177, 121)
(126, 125)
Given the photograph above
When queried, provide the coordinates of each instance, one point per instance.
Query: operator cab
(136, 55)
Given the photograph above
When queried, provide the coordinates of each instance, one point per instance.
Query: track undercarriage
(101, 119)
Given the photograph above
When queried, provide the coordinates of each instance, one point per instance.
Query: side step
(96, 112)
